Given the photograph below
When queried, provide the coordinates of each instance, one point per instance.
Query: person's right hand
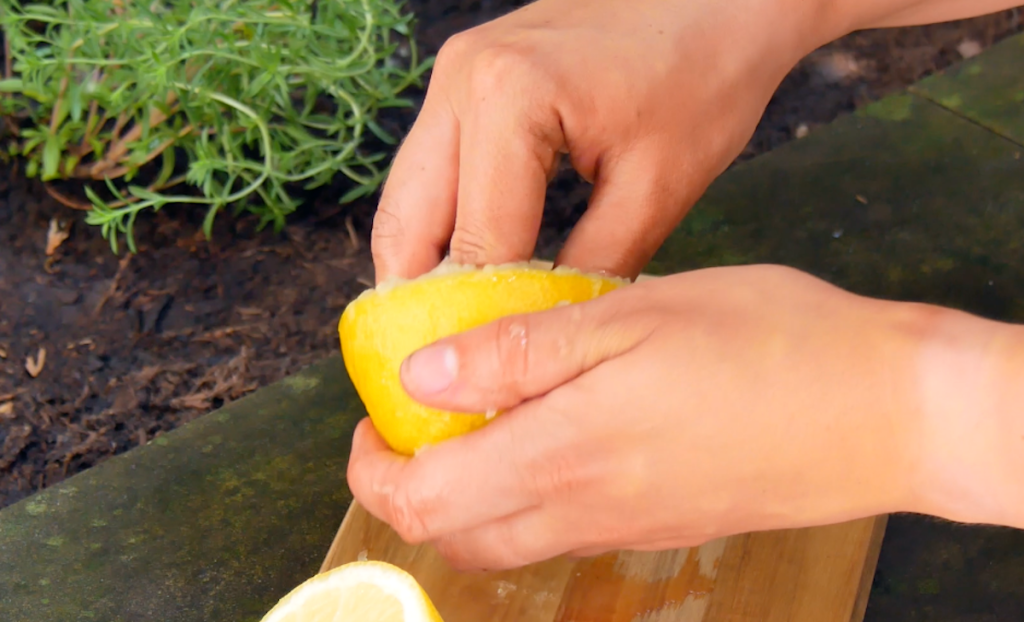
(651, 99)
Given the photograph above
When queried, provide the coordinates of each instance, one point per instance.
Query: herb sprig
(245, 100)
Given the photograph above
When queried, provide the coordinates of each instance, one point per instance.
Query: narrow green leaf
(51, 158)
(75, 97)
(379, 132)
(11, 85)
(70, 163)
(211, 215)
(356, 193)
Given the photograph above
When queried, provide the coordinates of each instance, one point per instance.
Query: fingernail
(431, 370)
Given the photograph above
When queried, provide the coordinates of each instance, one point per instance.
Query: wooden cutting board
(822, 574)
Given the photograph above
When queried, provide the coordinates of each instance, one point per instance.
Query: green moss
(952, 102)
(988, 89)
(892, 108)
(300, 384)
(216, 536)
(35, 507)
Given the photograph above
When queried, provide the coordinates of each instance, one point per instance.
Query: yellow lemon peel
(384, 325)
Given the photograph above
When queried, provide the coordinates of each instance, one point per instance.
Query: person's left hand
(665, 414)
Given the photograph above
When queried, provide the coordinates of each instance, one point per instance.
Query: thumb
(519, 357)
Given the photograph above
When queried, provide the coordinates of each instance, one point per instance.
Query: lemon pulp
(367, 591)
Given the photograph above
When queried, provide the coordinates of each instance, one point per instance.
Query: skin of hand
(889, 13)
(700, 405)
(650, 99)
(669, 401)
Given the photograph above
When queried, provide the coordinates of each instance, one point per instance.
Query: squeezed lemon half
(367, 591)
(384, 325)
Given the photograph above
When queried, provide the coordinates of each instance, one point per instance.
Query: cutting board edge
(336, 542)
(874, 550)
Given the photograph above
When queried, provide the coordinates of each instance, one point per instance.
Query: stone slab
(922, 205)
(212, 522)
(987, 89)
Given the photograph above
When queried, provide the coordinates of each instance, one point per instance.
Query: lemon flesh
(367, 591)
(384, 325)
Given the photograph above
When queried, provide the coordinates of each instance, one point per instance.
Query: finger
(499, 470)
(653, 546)
(505, 362)
(515, 541)
(374, 471)
(509, 146)
(594, 551)
(416, 215)
(633, 209)
(415, 497)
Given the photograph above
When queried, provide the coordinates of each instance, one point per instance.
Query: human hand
(650, 99)
(690, 407)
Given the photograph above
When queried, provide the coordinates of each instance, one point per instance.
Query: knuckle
(507, 551)
(557, 477)
(454, 51)
(554, 477)
(407, 516)
(453, 550)
(447, 548)
(496, 548)
(499, 69)
(559, 470)
(387, 228)
(472, 245)
(512, 351)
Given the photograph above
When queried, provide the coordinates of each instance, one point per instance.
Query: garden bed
(135, 346)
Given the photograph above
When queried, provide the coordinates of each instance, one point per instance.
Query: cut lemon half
(384, 325)
(367, 591)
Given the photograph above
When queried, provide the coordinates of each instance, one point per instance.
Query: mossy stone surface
(212, 522)
(987, 89)
(914, 205)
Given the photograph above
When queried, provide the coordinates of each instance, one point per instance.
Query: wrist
(966, 374)
(864, 14)
(800, 27)
(770, 37)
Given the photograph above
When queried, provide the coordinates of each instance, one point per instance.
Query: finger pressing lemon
(384, 325)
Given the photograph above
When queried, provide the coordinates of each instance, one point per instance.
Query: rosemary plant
(247, 101)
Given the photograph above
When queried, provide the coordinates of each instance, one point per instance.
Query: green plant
(245, 100)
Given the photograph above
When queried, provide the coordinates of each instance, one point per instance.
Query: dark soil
(135, 346)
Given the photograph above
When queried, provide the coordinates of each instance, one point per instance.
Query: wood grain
(820, 574)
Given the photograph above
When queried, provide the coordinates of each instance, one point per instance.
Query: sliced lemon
(384, 325)
(367, 591)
